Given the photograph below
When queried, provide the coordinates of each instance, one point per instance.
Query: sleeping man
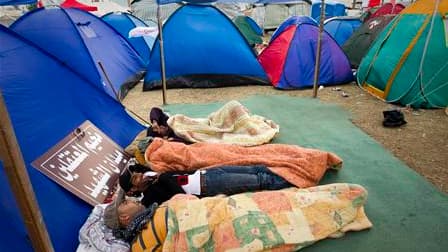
(287, 220)
(160, 187)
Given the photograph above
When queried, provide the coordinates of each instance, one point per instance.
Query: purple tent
(289, 59)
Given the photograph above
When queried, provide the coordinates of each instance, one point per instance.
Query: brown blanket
(300, 166)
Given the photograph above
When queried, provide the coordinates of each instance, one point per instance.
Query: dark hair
(157, 114)
(125, 177)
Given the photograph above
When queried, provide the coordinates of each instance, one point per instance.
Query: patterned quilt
(284, 220)
(232, 124)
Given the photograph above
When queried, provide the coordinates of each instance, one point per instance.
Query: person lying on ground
(285, 220)
(159, 187)
(302, 167)
(231, 124)
(159, 126)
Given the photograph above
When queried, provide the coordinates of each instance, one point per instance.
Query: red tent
(388, 9)
(373, 3)
(78, 5)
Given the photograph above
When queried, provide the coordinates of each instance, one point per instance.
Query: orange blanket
(300, 166)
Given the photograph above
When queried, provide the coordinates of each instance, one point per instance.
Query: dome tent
(46, 100)
(414, 46)
(203, 48)
(250, 29)
(62, 32)
(387, 9)
(341, 28)
(332, 9)
(124, 22)
(289, 59)
(358, 44)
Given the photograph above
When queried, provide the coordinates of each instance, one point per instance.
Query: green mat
(407, 212)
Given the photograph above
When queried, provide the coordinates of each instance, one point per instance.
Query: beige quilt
(232, 124)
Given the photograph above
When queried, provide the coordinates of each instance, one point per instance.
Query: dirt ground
(422, 143)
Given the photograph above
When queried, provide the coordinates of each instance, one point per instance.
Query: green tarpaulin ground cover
(407, 212)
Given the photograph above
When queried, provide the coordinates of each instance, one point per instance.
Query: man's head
(127, 210)
(121, 211)
(161, 130)
(133, 181)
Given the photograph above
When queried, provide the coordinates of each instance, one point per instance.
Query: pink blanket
(302, 167)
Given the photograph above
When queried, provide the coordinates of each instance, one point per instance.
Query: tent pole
(162, 56)
(117, 96)
(318, 49)
(20, 183)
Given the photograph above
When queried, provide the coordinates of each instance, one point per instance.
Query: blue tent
(46, 101)
(82, 40)
(16, 2)
(341, 28)
(332, 9)
(290, 57)
(203, 48)
(124, 22)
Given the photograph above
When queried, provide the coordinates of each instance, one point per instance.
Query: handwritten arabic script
(86, 162)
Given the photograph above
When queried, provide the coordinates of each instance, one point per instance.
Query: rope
(425, 48)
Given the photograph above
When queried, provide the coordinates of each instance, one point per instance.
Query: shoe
(393, 118)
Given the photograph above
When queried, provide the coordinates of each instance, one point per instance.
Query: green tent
(250, 29)
(407, 63)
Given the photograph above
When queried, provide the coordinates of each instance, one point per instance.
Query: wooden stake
(318, 50)
(20, 183)
(162, 55)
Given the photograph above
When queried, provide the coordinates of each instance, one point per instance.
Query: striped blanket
(284, 220)
(232, 124)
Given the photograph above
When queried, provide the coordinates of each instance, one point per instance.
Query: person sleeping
(156, 187)
(160, 128)
(287, 219)
(231, 124)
